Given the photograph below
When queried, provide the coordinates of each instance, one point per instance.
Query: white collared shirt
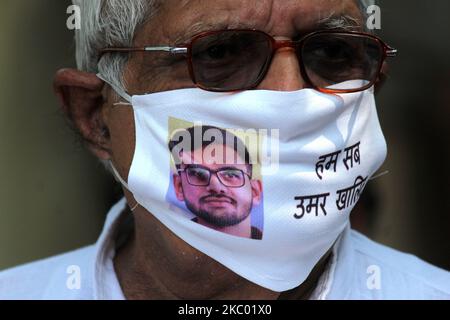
(359, 269)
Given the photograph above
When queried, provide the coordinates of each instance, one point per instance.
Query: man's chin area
(215, 205)
(219, 217)
(219, 208)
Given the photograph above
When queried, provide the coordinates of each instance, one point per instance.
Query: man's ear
(382, 77)
(80, 97)
(256, 191)
(178, 187)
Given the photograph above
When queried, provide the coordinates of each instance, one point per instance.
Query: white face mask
(305, 184)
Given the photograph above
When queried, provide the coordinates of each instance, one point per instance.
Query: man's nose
(284, 72)
(215, 185)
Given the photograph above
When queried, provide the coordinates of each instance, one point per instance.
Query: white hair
(109, 23)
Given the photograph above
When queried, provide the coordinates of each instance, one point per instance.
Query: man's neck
(156, 264)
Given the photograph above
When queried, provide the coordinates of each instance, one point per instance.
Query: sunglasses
(234, 60)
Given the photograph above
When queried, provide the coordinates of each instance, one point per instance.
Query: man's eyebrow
(195, 166)
(186, 35)
(339, 22)
(199, 166)
(229, 168)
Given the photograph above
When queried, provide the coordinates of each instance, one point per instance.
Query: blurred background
(54, 195)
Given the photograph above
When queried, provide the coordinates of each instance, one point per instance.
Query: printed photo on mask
(214, 179)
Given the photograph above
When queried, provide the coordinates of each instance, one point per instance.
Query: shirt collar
(334, 282)
(106, 284)
(340, 283)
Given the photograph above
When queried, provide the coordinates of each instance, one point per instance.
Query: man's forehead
(182, 19)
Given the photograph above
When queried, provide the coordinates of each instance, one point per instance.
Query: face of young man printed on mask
(221, 196)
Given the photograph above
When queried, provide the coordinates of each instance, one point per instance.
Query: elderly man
(302, 67)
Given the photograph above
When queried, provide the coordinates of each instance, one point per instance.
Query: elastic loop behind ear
(118, 90)
(117, 176)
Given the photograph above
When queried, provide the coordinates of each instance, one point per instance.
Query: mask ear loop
(119, 178)
(135, 207)
(119, 91)
(128, 98)
(376, 176)
(119, 104)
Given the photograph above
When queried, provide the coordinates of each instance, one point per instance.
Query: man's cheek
(241, 195)
(193, 196)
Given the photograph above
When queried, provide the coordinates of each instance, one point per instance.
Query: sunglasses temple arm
(391, 52)
(173, 50)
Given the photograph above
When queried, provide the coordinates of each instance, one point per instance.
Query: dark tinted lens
(197, 176)
(341, 61)
(230, 60)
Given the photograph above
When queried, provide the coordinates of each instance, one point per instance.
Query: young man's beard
(223, 221)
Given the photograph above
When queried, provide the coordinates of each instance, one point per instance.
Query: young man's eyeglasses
(201, 177)
(233, 60)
